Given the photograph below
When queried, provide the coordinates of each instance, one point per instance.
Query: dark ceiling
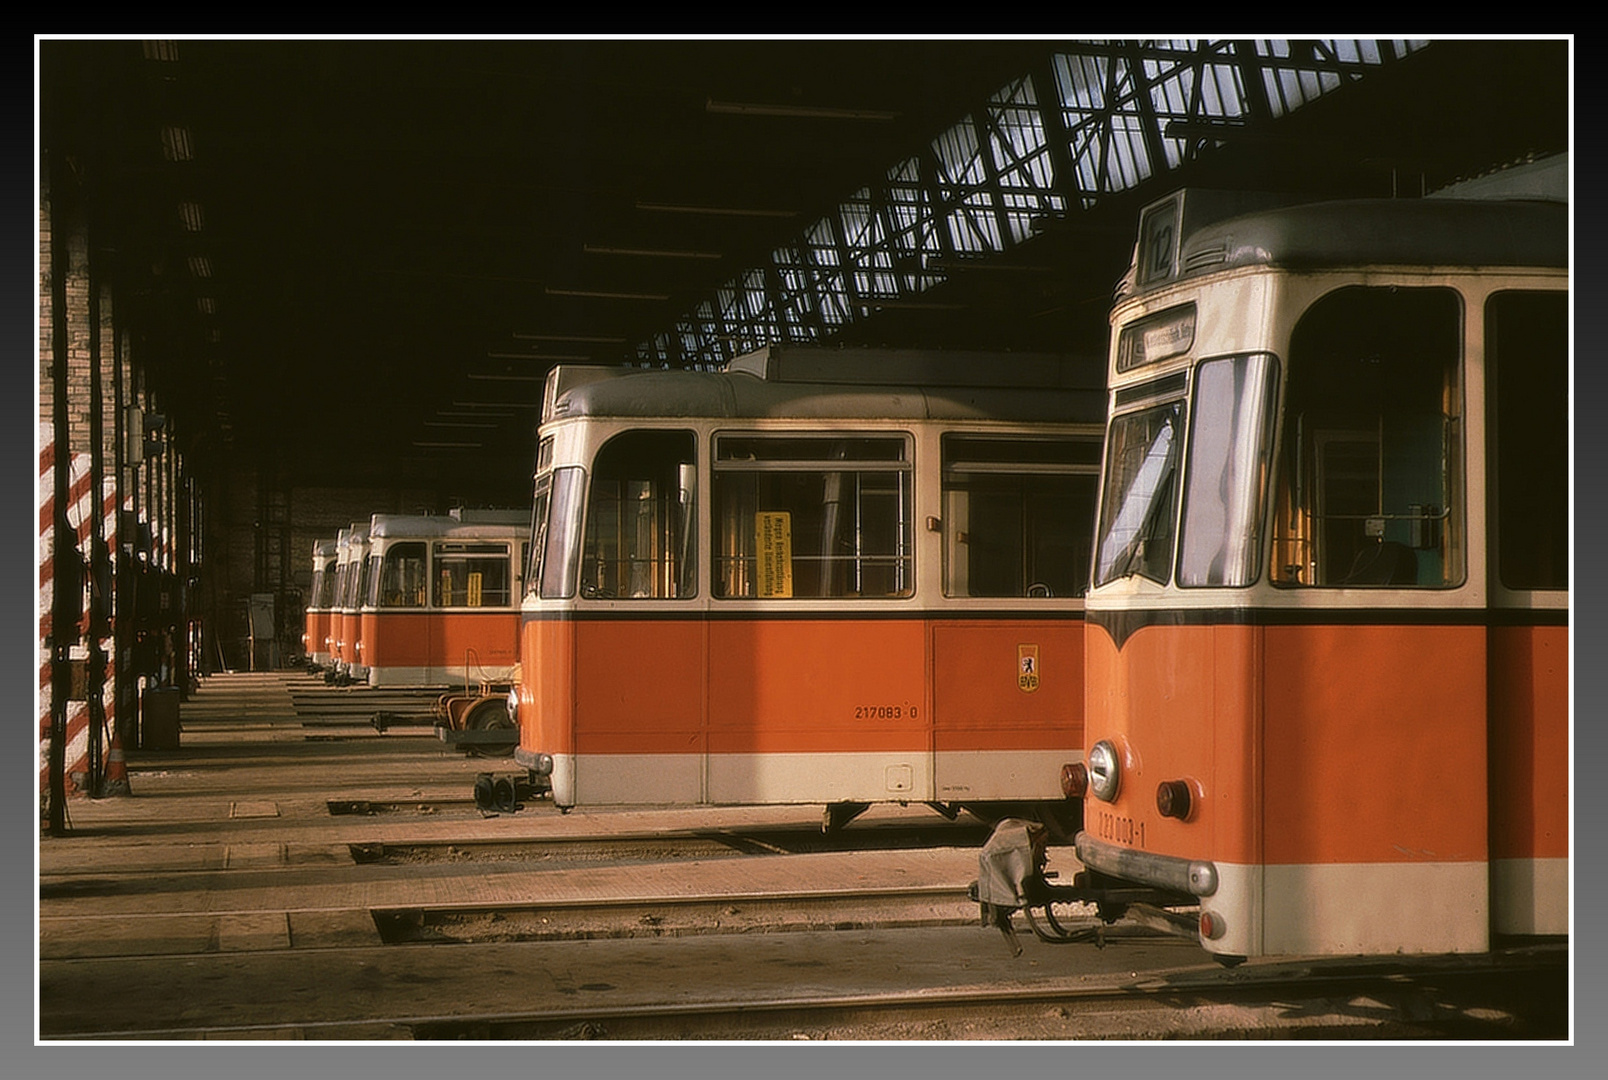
(394, 236)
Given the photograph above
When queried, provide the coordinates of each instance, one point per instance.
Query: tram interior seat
(1383, 563)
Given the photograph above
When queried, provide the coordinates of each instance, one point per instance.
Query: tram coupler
(1012, 877)
(507, 793)
(477, 722)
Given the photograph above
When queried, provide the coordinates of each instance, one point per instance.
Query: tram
(321, 598)
(837, 577)
(1327, 650)
(346, 616)
(441, 599)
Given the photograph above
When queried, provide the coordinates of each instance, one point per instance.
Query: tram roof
(429, 526)
(844, 384)
(1399, 232)
(1462, 232)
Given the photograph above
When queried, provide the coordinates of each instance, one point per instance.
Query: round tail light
(1174, 799)
(1074, 780)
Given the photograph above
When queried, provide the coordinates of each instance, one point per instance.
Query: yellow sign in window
(474, 589)
(773, 531)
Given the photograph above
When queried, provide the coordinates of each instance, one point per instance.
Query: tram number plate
(1119, 829)
(884, 712)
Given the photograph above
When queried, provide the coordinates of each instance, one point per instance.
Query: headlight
(513, 703)
(1105, 770)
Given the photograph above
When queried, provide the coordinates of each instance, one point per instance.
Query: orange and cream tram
(441, 601)
(320, 599)
(1327, 647)
(345, 618)
(817, 577)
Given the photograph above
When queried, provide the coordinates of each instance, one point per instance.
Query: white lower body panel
(738, 779)
(1351, 909)
(1001, 775)
(440, 676)
(804, 778)
(1530, 896)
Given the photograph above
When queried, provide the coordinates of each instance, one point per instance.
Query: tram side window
(1018, 515)
(640, 518)
(402, 576)
(1369, 490)
(1527, 345)
(471, 575)
(812, 516)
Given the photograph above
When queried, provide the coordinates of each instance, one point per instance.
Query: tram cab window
(361, 581)
(1018, 514)
(536, 546)
(323, 590)
(555, 548)
(1140, 494)
(1230, 436)
(1527, 351)
(812, 516)
(402, 577)
(470, 575)
(1369, 489)
(640, 519)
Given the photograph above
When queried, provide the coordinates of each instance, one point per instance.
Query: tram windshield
(555, 546)
(323, 588)
(1230, 435)
(1141, 481)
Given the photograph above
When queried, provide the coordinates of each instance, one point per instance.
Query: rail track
(261, 886)
(1510, 996)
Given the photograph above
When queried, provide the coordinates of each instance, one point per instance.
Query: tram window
(1527, 345)
(537, 544)
(812, 516)
(362, 581)
(402, 576)
(470, 575)
(323, 590)
(1139, 494)
(1230, 429)
(1018, 515)
(1369, 480)
(640, 518)
(557, 549)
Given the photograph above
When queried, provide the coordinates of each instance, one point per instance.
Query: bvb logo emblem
(1027, 668)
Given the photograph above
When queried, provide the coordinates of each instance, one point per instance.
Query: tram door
(641, 650)
(1377, 666)
(1527, 365)
(1008, 692)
